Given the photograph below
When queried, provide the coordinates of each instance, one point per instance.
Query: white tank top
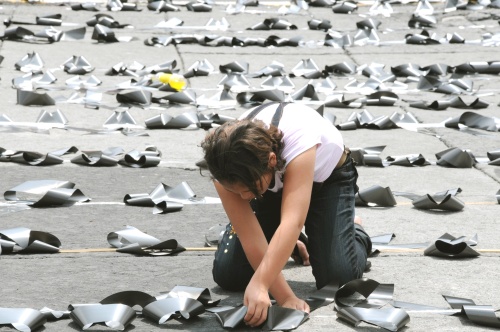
(302, 129)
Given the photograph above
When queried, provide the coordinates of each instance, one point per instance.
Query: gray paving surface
(57, 280)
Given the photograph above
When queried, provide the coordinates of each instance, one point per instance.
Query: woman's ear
(273, 160)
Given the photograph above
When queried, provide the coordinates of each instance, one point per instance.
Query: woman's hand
(258, 302)
(294, 302)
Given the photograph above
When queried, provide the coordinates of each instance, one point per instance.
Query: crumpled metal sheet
(165, 309)
(455, 157)
(260, 96)
(34, 80)
(116, 310)
(77, 82)
(366, 120)
(25, 241)
(375, 196)
(30, 98)
(317, 24)
(196, 293)
(307, 92)
(483, 315)
(278, 318)
(188, 120)
(447, 246)
(474, 120)
(151, 157)
(439, 202)
(120, 119)
(229, 317)
(162, 6)
(52, 315)
(323, 296)
(273, 24)
(408, 160)
(130, 298)
(372, 155)
(31, 62)
(284, 319)
(383, 242)
(274, 69)
(164, 198)
(344, 7)
(306, 68)
(16, 33)
(54, 193)
(480, 314)
(51, 19)
(200, 68)
(22, 319)
(33, 158)
(444, 200)
(115, 316)
(455, 102)
(77, 65)
(88, 6)
(105, 20)
(133, 241)
(134, 97)
(391, 319)
(370, 309)
(103, 34)
(283, 83)
(95, 158)
(198, 6)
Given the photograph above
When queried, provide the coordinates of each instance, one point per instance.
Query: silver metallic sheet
(165, 309)
(484, 315)
(114, 316)
(52, 315)
(323, 296)
(22, 319)
(230, 317)
(133, 241)
(23, 240)
(94, 158)
(446, 203)
(375, 196)
(196, 293)
(284, 319)
(130, 298)
(455, 157)
(141, 159)
(30, 98)
(53, 192)
(370, 310)
(391, 319)
(447, 246)
(278, 318)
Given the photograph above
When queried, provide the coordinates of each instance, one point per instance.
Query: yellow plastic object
(176, 81)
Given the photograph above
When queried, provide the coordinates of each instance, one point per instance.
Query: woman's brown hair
(238, 152)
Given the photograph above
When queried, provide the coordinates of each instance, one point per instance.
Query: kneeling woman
(278, 168)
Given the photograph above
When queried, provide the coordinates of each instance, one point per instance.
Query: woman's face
(244, 192)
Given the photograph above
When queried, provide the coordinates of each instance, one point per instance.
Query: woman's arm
(251, 237)
(299, 177)
(255, 246)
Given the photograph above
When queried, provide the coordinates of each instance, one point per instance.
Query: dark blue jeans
(337, 249)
